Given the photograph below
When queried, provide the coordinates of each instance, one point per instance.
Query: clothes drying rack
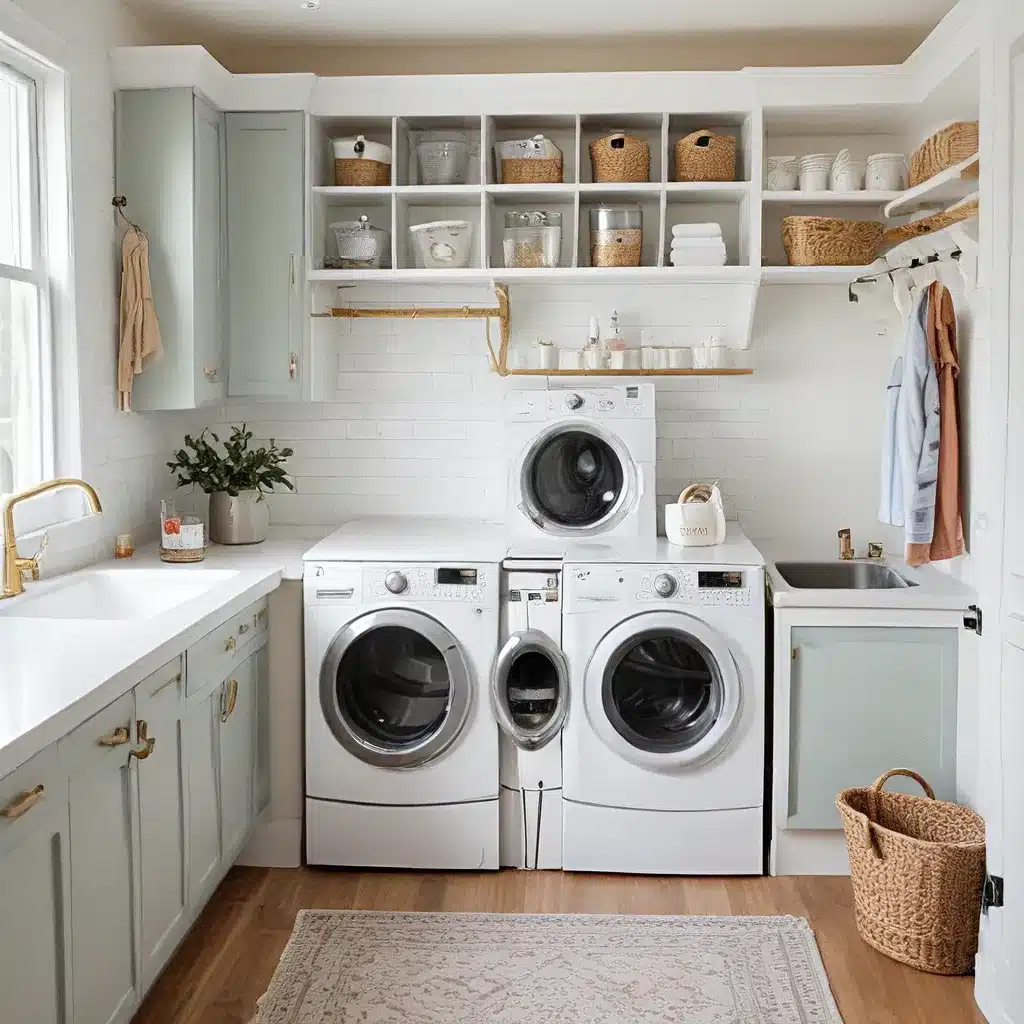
(914, 264)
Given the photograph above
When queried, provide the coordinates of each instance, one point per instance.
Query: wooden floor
(226, 962)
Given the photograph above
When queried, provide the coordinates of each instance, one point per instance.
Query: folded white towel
(698, 259)
(697, 231)
(696, 244)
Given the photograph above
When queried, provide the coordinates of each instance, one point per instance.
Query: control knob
(664, 585)
(574, 401)
(396, 582)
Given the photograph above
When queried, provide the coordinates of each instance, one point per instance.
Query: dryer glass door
(395, 688)
(530, 688)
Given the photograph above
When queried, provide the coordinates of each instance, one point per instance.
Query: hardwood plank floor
(227, 960)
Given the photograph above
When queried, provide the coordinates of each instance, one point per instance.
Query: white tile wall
(413, 425)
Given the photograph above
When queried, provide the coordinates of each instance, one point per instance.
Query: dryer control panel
(590, 586)
(354, 583)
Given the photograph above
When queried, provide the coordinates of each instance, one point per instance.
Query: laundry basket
(918, 868)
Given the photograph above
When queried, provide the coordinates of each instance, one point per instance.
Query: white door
(98, 762)
(237, 751)
(162, 816)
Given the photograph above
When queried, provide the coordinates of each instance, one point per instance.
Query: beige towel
(140, 331)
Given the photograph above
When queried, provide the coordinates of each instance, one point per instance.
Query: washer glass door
(530, 688)
(395, 688)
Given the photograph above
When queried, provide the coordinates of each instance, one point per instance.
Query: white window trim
(52, 240)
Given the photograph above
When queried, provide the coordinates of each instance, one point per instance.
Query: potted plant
(236, 481)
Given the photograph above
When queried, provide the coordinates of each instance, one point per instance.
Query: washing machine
(530, 693)
(664, 747)
(401, 631)
(581, 466)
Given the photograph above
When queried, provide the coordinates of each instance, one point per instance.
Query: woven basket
(352, 171)
(620, 157)
(933, 222)
(954, 144)
(705, 156)
(918, 867)
(532, 172)
(830, 242)
(182, 554)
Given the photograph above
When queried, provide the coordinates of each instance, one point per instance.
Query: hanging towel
(948, 533)
(140, 331)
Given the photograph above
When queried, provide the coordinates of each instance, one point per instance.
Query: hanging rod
(914, 264)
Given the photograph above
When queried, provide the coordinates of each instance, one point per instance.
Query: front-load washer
(401, 739)
(530, 693)
(581, 466)
(664, 750)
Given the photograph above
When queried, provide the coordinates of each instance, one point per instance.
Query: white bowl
(442, 244)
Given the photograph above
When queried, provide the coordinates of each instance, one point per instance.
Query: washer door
(395, 688)
(577, 479)
(662, 690)
(530, 689)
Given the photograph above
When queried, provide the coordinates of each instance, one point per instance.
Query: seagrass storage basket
(361, 172)
(545, 171)
(705, 156)
(918, 868)
(830, 241)
(946, 148)
(620, 157)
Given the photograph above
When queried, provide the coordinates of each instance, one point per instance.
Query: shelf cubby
(333, 208)
(642, 126)
(562, 130)
(650, 205)
(498, 206)
(411, 130)
(374, 129)
(415, 210)
(740, 126)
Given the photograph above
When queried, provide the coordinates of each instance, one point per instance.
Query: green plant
(239, 468)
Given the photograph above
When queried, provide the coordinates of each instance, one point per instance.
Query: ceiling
(339, 21)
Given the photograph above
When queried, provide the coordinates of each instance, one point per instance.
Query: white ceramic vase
(240, 519)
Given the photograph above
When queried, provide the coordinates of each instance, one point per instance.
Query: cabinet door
(261, 777)
(163, 820)
(199, 745)
(864, 700)
(237, 757)
(265, 188)
(97, 759)
(33, 893)
(210, 257)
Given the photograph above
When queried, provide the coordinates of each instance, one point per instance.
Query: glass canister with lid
(532, 238)
(616, 236)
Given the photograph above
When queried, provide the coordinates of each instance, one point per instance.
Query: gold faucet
(845, 544)
(14, 567)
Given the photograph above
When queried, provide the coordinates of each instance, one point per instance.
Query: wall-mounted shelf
(556, 275)
(725, 371)
(816, 275)
(946, 187)
(864, 197)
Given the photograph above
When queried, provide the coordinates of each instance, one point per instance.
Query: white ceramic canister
(678, 358)
(847, 174)
(886, 172)
(718, 356)
(814, 171)
(545, 356)
(783, 173)
(570, 359)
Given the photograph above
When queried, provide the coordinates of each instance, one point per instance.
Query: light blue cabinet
(864, 700)
(265, 225)
(170, 168)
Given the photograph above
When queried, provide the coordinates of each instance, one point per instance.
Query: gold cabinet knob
(23, 802)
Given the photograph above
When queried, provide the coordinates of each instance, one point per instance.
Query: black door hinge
(992, 896)
(972, 619)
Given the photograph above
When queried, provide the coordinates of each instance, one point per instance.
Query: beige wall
(721, 51)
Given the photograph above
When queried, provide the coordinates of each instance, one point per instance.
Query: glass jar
(532, 238)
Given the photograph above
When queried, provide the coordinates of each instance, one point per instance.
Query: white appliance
(664, 750)
(530, 691)
(581, 466)
(401, 628)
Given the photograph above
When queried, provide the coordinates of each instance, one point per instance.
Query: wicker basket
(351, 171)
(620, 157)
(182, 555)
(928, 225)
(705, 156)
(539, 171)
(954, 144)
(830, 242)
(918, 867)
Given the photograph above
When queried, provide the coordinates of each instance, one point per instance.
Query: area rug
(343, 967)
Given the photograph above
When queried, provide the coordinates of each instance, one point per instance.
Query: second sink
(852, 575)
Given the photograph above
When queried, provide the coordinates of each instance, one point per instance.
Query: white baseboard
(274, 844)
(809, 852)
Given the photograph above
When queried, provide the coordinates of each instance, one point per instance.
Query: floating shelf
(556, 275)
(946, 187)
(864, 197)
(724, 371)
(817, 275)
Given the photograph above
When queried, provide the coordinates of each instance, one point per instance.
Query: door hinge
(972, 619)
(992, 896)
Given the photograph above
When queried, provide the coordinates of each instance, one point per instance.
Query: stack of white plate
(697, 245)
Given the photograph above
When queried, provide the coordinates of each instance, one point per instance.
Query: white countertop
(412, 538)
(56, 673)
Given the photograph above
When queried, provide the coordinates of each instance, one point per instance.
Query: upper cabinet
(266, 258)
(170, 168)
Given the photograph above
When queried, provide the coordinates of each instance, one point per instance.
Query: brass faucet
(14, 567)
(845, 544)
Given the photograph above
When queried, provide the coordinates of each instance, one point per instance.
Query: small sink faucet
(845, 544)
(14, 567)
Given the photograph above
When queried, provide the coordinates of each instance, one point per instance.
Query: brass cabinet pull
(230, 645)
(117, 738)
(23, 802)
(244, 627)
(230, 699)
(261, 614)
(148, 742)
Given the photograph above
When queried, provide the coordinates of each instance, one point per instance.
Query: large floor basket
(918, 868)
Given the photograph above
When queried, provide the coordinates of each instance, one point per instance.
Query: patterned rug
(378, 968)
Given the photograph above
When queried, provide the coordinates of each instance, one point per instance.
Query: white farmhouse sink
(116, 594)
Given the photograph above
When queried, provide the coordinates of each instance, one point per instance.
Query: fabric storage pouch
(705, 156)
(620, 157)
(359, 161)
(616, 236)
(360, 245)
(535, 161)
(697, 519)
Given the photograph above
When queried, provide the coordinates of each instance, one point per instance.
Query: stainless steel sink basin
(838, 575)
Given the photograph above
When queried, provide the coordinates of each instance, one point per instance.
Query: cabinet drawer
(209, 660)
(108, 735)
(29, 792)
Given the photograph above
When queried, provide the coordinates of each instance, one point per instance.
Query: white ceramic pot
(545, 357)
(442, 244)
(678, 358)
(886, 172)
(570, 359)
(783, 173)
(242, 519)
(361, 148)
